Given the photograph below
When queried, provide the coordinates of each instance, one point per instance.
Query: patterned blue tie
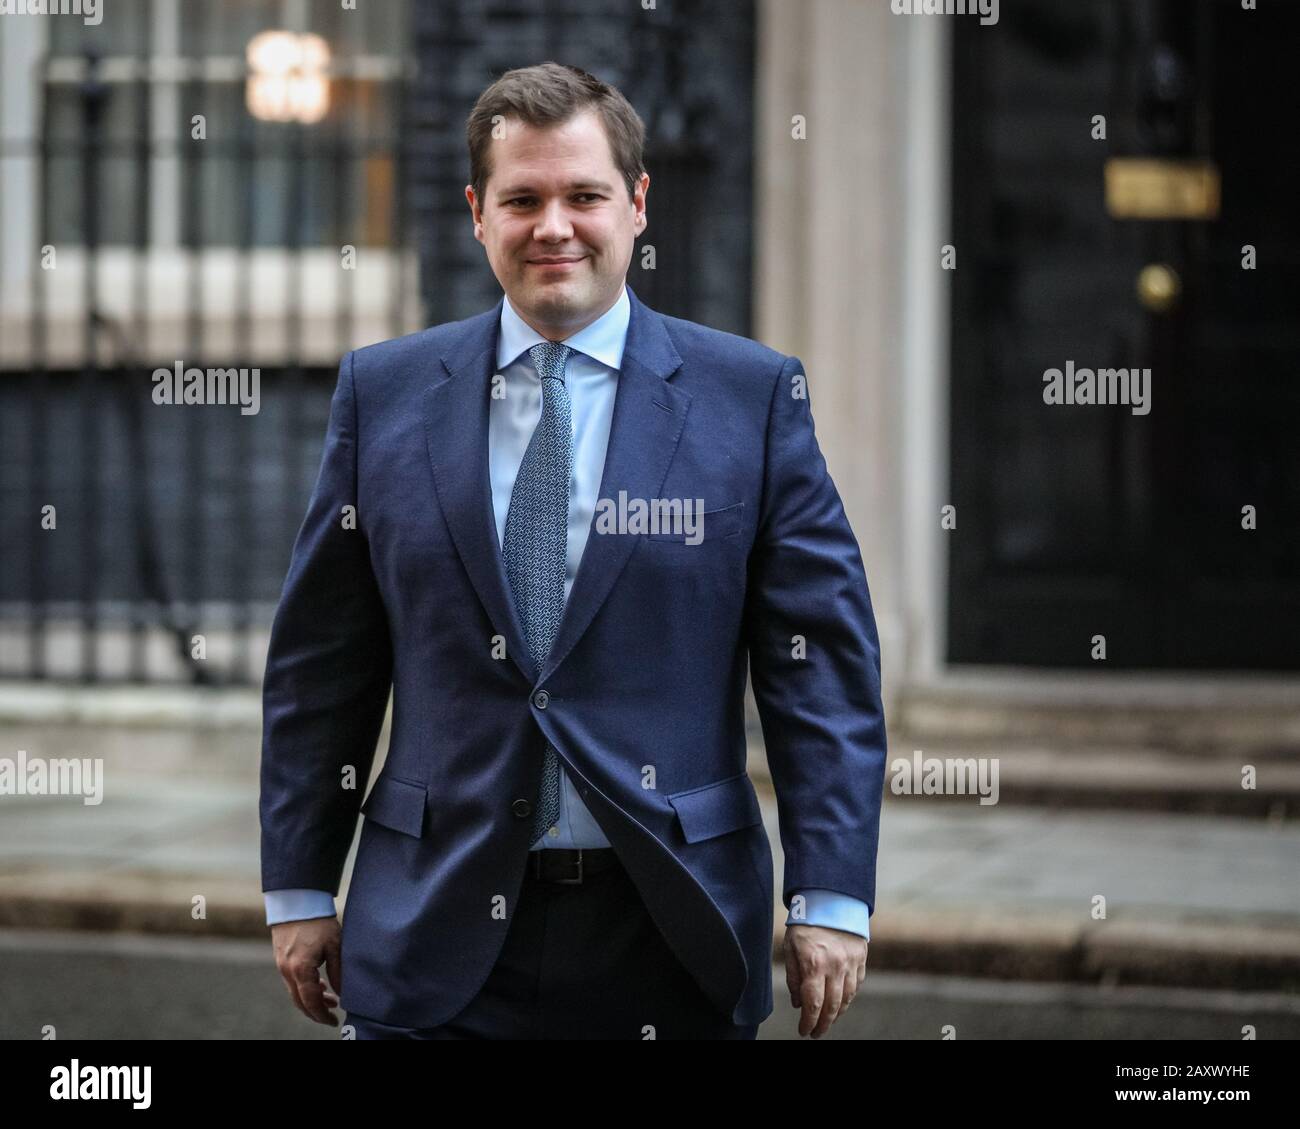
(537, 538)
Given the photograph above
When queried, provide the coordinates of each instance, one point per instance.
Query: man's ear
(645, 188)
(475, 212)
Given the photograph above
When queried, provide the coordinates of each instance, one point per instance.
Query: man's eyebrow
(575, 186)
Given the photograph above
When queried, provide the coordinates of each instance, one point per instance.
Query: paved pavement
(1006, 891)
(89, 985)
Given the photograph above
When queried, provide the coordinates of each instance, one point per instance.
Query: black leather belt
(559, 864)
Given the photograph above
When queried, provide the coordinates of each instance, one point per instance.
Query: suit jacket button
(522, 809)
(541, 699)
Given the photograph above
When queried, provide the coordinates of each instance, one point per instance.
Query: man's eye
(529, 199)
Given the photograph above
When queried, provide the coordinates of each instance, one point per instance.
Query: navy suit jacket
(397, 579)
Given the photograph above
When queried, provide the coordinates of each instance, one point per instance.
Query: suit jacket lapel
(649, 414)
(456, 429)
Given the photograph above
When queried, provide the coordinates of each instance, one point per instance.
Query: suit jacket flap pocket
(717, 808)
(397, 804)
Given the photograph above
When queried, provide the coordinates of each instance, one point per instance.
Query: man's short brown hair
(549, 94)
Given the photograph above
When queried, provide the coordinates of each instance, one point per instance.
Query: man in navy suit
(561, 531)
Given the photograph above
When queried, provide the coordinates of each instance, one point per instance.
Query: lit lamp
(287, 80)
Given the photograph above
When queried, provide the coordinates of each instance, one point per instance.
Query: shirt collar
(603, 340)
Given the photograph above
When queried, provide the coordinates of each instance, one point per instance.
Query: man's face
(555, 194)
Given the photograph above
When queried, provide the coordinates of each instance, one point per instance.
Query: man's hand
(300, 949)
(823, 970)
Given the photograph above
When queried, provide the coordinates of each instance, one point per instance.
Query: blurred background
(1101, 607)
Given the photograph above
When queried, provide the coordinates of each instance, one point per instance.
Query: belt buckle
(572, 881)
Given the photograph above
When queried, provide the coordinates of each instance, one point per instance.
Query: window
(123, 147)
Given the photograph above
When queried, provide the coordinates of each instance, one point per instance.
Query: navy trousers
(581, 961)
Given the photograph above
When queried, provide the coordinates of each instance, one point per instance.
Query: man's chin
(560, 297)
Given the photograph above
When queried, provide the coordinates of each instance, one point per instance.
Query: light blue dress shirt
(591, 375)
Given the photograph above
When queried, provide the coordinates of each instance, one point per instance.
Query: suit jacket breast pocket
(712, 525)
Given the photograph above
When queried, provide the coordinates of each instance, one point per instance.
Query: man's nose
(553, 223)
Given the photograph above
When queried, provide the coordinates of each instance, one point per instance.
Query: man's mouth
(556, 263)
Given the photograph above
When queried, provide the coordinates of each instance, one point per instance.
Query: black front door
(1165, 518)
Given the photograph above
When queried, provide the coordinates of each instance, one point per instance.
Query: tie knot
(549, 359)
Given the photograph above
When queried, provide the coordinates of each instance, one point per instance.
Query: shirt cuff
(297, 905)
(833, 910)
